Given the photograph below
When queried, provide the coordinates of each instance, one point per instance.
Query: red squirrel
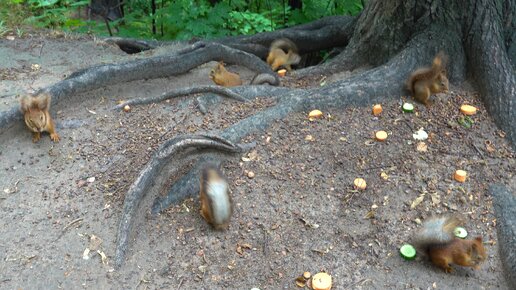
(36, 116)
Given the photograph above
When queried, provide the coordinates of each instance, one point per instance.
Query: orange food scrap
(315, 114)
(460, 175)
(381, 135)
(321, 281)
(282, 72)
(468, 110)
(377, 109)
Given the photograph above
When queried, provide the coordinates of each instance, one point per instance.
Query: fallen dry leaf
(95, 242)
(86, 254)
(436, 199)
(417, 201)
(103, 257)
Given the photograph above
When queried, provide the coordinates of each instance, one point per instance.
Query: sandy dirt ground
(299, 213)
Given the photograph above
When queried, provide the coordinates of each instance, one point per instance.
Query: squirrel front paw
(54, 137)
(36, 136)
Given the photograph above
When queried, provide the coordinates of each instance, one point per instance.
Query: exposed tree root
(150, 68)
(141, 185)
(504, 202)
(183, 92)
(325, 33)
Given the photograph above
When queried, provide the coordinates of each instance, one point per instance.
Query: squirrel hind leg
(442, 263)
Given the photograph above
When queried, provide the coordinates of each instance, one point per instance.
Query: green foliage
(175, 19)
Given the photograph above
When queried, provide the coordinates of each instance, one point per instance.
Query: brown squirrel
(36, 116)
(216, 203)
(278, 58)
(222, 77)
(424, 82)
(436, 237)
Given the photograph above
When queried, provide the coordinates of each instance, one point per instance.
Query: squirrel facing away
(222, 77)
(424, 82)
(216, 203)
(278, 58)
(436, 238)
(36, 116)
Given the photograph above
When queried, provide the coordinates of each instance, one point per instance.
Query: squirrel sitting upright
(216, 203)
(222, 77)
(36, 116)
(278, 58)
(436, 237)
(424, 82)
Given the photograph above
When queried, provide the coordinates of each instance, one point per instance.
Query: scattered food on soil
(127, 108)
(381, 135)
(377, 109)
(408, 108)
(420, 135)
(408, 252)
(321, 281)
(282, 72)
(460, 175)
(468, 110)
(315, 114)
(460, 232)
(360, 183)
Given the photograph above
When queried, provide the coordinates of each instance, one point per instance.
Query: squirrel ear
(44, 101)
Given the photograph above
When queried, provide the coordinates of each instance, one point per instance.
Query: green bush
(174, 19)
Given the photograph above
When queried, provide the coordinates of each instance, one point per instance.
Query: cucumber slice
(408, 108)
(460, 232)
(408, 252)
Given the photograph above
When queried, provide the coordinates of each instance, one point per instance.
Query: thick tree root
(183, 92)
(150, 68)
(141, 185)
(504, 202)
(325, 33)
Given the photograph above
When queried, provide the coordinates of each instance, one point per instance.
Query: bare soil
(299, 213)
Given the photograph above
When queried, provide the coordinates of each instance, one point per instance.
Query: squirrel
(36, 116)
(278, 58)
(424, 82)
(216, 203)
(222, 77)
(436, 237)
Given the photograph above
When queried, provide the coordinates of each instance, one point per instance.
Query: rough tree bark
(391, 37)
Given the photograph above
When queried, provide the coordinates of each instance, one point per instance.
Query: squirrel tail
(264, 78)
(439, 63)
(438, 67)
(289, 46)
(41, 101)
(436, 231)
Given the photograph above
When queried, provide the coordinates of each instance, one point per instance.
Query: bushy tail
(436, 231)
(438, 67)
(288, 46)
